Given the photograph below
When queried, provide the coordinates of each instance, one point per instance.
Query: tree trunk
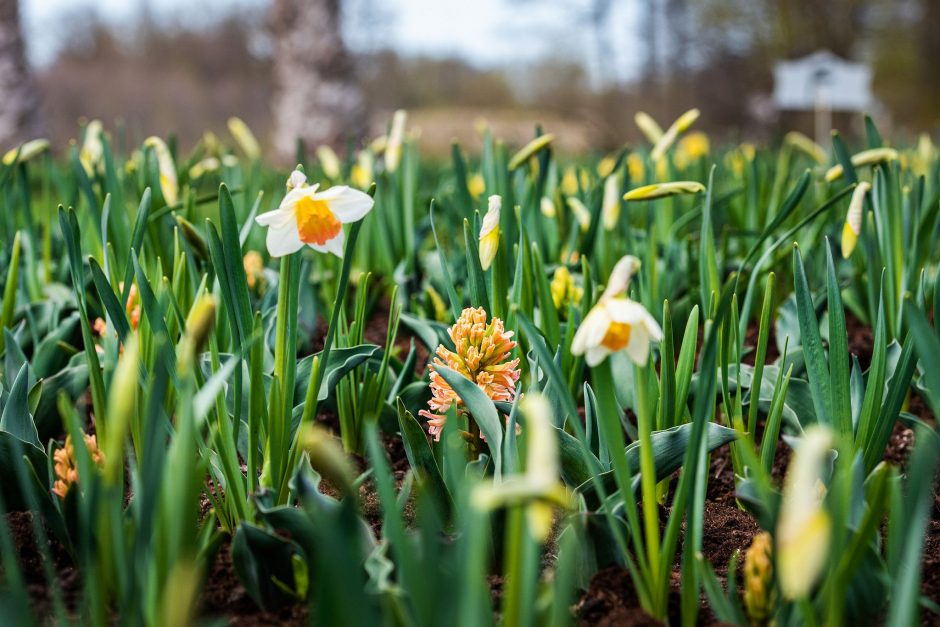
(317, 98)
(19, 97)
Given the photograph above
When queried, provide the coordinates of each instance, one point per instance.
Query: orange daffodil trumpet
(489, 232)
(853, 220)
(308, 217)
(616, 323)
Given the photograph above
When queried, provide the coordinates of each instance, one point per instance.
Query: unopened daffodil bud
(169, 186)
(327, 458)
(680, 126)
(805, 145)
(476, 185)
(547, 207)
(605, 167)
(569, 182)
(91, 155)
(610, 209)
(396, 138)
(244, 138)
(581, 213)
(758, 579)
(530, 150)
(648, 126)
(539, 487)
(363, 170)
(205, 166)
(329, 162)
(489, 232)
(663, 190)
(853, 219)
(27, 151)
(860, 159)
(199, 325)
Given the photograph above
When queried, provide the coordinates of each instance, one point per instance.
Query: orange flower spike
(481, 354)
(66, 466)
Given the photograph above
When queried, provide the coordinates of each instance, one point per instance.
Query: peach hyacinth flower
(66, 466)
(482, 355)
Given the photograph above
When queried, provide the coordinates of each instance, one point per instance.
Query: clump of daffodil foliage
(381, 380)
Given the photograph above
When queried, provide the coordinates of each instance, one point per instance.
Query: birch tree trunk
(317, 98)
(19, 96)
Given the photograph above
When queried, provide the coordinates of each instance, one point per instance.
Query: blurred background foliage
(582, 68)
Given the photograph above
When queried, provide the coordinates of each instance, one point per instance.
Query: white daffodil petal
(334, 245)
(639, 346)
(346, 203)
(595, 355)
(625, 311)
(652, 327)
(283, 241)
(277, 218)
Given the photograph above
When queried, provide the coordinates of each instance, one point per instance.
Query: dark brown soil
(224, 595)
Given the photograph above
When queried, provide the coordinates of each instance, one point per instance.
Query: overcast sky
(486, 32)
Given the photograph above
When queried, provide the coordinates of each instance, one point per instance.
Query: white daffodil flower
(617, 323)
(313, 218)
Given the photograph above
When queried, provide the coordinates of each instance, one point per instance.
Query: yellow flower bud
(244, 137)
(530, 150)
(866, 157)
(27, 151)
(489, 232)
(853, 219)
(662, 190)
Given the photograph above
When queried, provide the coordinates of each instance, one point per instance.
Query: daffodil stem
(284, 366)
(321, 363)
(647, 471)
(520, 549)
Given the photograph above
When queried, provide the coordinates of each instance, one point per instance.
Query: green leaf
(475, 276)
(812, 342)
(840, 400)
(422, 461)
(341, 362)
(669, 449)
(116, 312)
(483, 411)
(263, 562)
(16, 418)
(575, 471)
